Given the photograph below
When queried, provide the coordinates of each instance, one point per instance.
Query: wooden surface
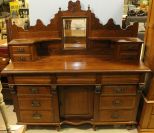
(73, 63)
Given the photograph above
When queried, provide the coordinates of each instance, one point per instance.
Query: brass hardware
(34, 90)
(21, 58)
(119, 90)
(115, 116)
(116, 102)
(37, 116)
(98, 89)
(21, 50)
(36, 104)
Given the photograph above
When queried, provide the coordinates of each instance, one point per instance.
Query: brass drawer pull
(21, 50)
(119, 90)
(34, 90)
(21, 58)
(115, 116)
(36, 104)
(37, 116)
(117, 102)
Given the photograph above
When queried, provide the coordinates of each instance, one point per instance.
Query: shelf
(33, 40)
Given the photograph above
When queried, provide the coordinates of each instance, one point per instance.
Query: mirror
(74, 32)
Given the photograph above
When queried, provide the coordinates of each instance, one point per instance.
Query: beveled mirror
(74, 32)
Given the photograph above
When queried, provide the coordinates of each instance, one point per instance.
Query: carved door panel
(76, 101)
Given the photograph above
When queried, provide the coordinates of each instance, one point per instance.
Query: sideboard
(76, 71)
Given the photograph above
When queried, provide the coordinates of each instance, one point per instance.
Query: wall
(104, 9)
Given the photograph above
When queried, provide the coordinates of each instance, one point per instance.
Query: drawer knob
(34, 90)
(36, 116)
(36, 104)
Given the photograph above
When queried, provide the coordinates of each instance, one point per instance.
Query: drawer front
(116, 115)
(22, 57)
(36, 116)
(120, 102)
(120, 79)
(151, 123)
(21, 50)
(34, 103)
(30, 79)
(119, 90)
(41, 90)
(130, 47)
(76, 79)
(129, 56)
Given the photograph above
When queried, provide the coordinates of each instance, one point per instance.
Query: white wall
(103, 9)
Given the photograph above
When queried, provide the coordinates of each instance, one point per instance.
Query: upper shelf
(32, 40)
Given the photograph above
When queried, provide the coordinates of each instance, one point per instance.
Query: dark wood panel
(76, 101)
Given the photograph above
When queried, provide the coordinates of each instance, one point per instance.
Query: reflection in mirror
(74, 33)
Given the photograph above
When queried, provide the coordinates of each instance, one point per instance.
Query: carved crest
(74, 6)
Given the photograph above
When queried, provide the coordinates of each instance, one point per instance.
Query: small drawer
(76, 79)
(129, 56)
(151, 122)
(30, 79)
(36, 116)
(121, 79)
(116, 115)
(22, 57)
(120, 102)
(34, 103)
(21, 50)
(129, 47)
(119, 90)
(41, 90)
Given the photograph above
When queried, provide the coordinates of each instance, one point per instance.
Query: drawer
(32, 79)
(76, 79)
(151, 123)
(21, 49)
(22, 57)
(116, 115)
(36, 116)
(129, 56)
(34, 103)
(129, 47)
(121, 79)
(41, 90)
(119, 90)
(120, 102)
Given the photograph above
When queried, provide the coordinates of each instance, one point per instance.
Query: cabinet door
(76, 101)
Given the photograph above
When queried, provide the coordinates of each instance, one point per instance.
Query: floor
(65, 129)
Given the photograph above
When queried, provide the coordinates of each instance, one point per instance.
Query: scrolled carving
(74, 6)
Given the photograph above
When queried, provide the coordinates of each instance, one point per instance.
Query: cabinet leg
(58, 128)
(94, 127)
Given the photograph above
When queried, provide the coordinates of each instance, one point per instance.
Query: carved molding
(74, 6)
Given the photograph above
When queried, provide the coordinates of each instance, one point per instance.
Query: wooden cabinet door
(76, 101)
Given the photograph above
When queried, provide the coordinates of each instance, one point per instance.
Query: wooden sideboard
(76, 70)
